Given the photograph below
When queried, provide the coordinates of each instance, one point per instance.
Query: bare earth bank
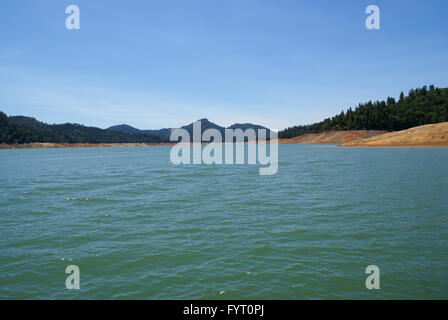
(430, 135)
(333, 136)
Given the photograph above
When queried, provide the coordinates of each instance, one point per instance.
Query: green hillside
(419, 107)
(21, 129)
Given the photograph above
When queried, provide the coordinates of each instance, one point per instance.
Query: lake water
(139, 227)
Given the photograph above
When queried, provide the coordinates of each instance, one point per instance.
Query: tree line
(421, 106)
(21, 129)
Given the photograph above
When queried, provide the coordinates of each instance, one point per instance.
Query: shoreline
(112, 145)
(428, 145)
(51, 145)
(333, 136)
(431, 135)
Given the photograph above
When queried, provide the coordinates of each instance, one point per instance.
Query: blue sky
(155, 64)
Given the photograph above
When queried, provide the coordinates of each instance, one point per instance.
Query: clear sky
(155, 64)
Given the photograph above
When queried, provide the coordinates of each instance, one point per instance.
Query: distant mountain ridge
(164, 134)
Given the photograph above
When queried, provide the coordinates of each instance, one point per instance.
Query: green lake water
(139, 227)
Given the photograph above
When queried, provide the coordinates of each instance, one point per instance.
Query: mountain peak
(124, 128)
(165, 134)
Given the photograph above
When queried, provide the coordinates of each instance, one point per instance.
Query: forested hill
(165, 134)
(20, 129)
(26, 130)
(419, 107)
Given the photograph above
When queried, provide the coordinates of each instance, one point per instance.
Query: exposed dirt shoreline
(333, 136)
(430, 135)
